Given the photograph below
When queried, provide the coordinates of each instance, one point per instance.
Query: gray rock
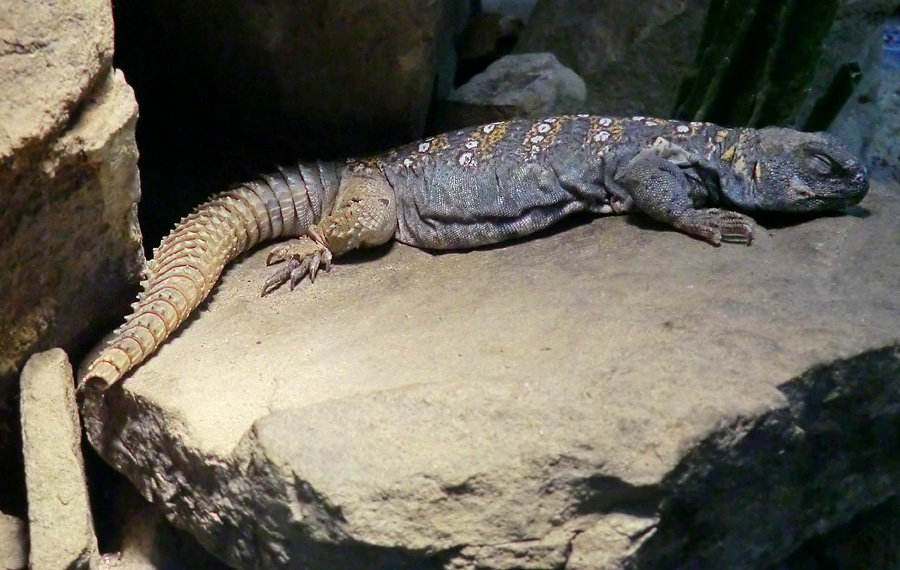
(70, 246)
(884, 150)
(870, 540)
(55, 53)
(13, 543)
(534, 84)
(632, 60)
(526, 85)
(520, 9)
(60, 528)
(856, 36)
(603, 395)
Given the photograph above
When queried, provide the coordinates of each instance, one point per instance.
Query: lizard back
(486, 184)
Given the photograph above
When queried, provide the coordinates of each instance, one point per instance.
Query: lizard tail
(188, 262)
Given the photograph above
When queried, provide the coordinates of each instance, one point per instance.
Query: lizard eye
(820, 163)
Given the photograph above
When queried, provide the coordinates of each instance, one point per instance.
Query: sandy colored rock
(70, 246)
(13, 543)
(60, 528)
(53, 53)
(71, 211)
(69, 242)
(516, 407)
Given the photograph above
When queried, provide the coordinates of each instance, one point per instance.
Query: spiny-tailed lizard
(483, 185)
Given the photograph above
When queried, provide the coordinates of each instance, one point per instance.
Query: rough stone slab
(69, 242)
(69, 178)
(54, 51)
(69, 209)
(606, 393)
(59, 516)
(13, 543)
(522, 85)
(70, 246)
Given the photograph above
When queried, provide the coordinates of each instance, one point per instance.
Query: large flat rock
(610, 392)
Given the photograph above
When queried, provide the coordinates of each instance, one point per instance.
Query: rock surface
(13, 543)
(69, 242)
(150, 543)
(870, 540)
(856, 37)
(523, 85)
(601, 395)
(54, 52)
(884, 152)
(633, 60)
(60, 528)
(69, 181)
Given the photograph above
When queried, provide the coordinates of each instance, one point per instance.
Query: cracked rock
(70, 246)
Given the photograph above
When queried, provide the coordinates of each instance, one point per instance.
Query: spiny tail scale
(188, 262)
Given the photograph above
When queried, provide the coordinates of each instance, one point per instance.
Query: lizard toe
(299, 270)
(717, 226)
(276, 280)
(304, 257)
(735, 227)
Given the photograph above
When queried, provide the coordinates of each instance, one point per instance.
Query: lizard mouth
(809, 199)
(806, 192)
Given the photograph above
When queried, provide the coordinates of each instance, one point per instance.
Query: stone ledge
(520, 406)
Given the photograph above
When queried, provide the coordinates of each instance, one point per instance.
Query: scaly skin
(479, 186)
(189, 261)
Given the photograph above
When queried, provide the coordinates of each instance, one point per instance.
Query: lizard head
(792, 171)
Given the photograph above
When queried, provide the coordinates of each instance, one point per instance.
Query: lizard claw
(717, 226)
(304, 257)
(735, 228)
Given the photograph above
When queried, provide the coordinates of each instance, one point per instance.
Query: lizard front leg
(661, 190)
(364, 214)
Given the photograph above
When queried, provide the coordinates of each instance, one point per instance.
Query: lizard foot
(717, 226)
(304, 256)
